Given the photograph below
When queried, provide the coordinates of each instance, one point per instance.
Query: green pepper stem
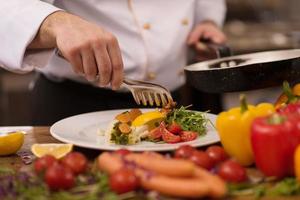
(276, 119)
(287, 90)
(243, 102)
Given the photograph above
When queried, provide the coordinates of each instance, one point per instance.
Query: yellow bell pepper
(234, 129)
(297, 162)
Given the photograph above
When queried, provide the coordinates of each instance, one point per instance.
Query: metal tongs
(144, 92)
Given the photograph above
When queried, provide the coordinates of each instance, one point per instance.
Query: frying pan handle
(207, 50)
(221, 50)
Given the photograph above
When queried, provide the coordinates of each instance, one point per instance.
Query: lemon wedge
(152, 119)
(11, 142)
(55, 149)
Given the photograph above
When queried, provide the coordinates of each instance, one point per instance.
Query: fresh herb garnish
(189, 120)
(24, 185)
(286, 187)
(118, 137)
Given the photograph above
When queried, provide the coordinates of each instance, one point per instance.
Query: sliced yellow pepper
(234, 129)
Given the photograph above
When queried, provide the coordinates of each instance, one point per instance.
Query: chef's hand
(206, 30)
(90, 49)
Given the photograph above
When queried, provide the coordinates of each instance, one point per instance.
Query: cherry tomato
(123, 152)
(123, 180)
(201, 159)
(217, 154)
(232, 171)
(76, 161)
(169, 137)
(43, 163)
(155, 133)
(188, 135)
(174, 128)
(58, 177)
(184, 151)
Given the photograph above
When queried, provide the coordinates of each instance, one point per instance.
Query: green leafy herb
(286, 187)
(189, 120)
(118, 137)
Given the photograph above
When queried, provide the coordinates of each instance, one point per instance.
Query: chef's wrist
(46, 36)
(209, 22)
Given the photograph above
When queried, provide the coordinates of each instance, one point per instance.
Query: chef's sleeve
(213, 10)
(19, 23)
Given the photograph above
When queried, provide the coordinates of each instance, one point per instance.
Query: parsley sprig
(188, 120)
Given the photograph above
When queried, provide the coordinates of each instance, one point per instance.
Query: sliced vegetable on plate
(170, 125)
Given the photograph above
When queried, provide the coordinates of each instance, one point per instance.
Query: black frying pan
(245, 72)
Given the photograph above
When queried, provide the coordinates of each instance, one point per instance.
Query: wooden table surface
(42, 135)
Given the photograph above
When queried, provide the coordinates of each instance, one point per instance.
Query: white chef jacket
(152, 34)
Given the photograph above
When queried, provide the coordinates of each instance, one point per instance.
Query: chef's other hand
(206, 30)
(90, 49)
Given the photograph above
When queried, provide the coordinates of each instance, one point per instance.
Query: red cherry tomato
(217, 154)
(174, 128)
(43, 163)
(188, 135)
(123, 180)
(155, 133)
(201, 159)
(167, 136)
(123, 152)
(59, 177)
(232, 171)
(76, 161)
(184, 151)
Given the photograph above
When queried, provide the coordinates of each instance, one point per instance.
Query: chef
(101, 42)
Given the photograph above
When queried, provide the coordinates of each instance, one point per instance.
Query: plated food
(166, 125)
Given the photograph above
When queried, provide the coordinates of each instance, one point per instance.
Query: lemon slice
(152, 119)
(54, 149)
(11, 142)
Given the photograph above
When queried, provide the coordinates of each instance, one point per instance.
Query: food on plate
(274, 139)
(57, 150)
(170, 125)
(11, 142)
(154, 172)
(234, 129)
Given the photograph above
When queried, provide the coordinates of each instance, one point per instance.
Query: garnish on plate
(169, 125)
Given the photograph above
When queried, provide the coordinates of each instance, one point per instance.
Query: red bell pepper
(274, 139)
(290, 108)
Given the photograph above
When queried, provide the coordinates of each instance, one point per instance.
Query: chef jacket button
(151, 75)
(146, 26)
(185, 21)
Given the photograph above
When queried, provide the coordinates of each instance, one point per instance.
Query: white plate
(83, 130)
